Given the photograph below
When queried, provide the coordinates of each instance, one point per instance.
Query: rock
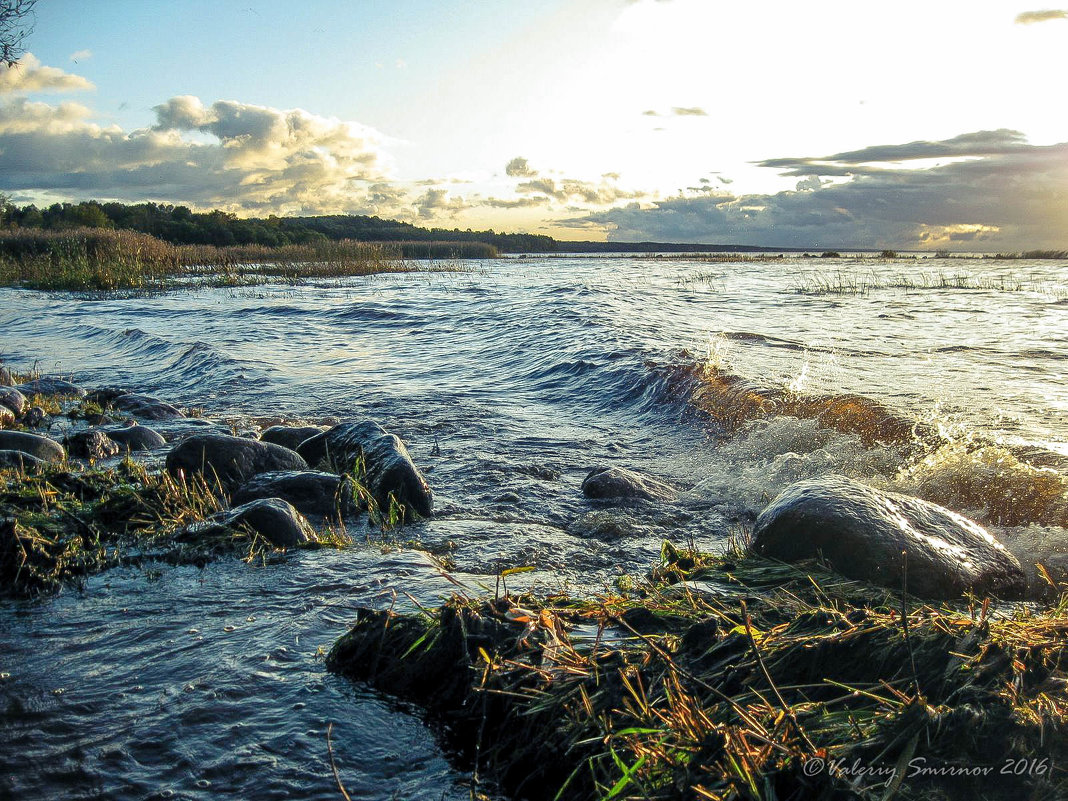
(43, 448)
(862, 533)
(388, 469)
(91, 444)
(34, 416)
(606, 524)
(51, 387)
(146, 407)
(21, 461)
(274, 519)
(618, 482)
(290, 436)
(230, 461)
(310, 491)
(5, 377)
(12, 399)
(105, 395)
(136, 438)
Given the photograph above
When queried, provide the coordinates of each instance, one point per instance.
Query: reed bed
(90, 259)
(853, 283)
(742, 679)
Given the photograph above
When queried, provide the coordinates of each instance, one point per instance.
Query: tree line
(182, 226)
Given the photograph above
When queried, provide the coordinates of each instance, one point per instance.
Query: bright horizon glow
(636, 119)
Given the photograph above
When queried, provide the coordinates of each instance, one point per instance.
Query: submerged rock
(618, 482)
(290, 436)
(52, 387)
(186, 426)
(136, 438)
(387, 467)
(310, 491)
(272, 518)
(43, 448)
(862, 533)
(230, 461)
(146, 407)
(13, 400)
(20, 461)
(92, 444)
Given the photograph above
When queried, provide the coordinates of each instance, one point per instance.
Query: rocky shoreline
(134, 477)
(811, 663)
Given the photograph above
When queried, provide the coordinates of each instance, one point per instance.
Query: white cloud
(81, 55)
(1032, 17)
(29, 75)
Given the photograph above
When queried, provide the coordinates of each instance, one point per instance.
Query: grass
(66, 522)
(91, 259)
(842, 283)
(743, 679)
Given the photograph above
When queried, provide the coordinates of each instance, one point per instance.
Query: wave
(733, 401)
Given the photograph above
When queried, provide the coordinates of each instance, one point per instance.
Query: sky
(911, 125)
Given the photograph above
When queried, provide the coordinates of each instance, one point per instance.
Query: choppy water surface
(509, 383)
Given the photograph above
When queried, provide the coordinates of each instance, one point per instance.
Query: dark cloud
(571, 190)
(519, 168)
(1031, 17)
(1007, 196)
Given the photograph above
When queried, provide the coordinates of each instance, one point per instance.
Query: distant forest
(181, 226)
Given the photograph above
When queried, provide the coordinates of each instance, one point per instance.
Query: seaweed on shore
(758, 681)
(63, 523)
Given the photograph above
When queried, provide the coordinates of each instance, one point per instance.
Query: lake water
(509, 382)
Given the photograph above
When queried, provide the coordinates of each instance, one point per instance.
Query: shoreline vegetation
(729, 677)
(110, 246)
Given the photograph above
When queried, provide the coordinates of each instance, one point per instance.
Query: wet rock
(34, 416)
(5, 377)
(272, 518)
(91, 444)
(21, 461)
(136, 438)
(388, 469)
(863, 532)
(618, 482)
(43, 448)
(56, 387)
(146, 407)
(230, 461)
(290, 436)
(310, 491)
(13, 400)
(105, 395)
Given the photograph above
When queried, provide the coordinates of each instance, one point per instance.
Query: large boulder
(17, 460)
(43, 448)
(310, 491)
(886, 538)
(618, 482)
(377, 458)
(12, 399)
(230, 461)
(135, 437)
(56, 387)
(272, 518)
(146, 407)
(290, 436)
